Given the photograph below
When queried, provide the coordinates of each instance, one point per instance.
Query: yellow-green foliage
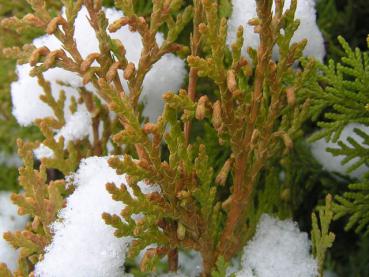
(257, 113)
(321, 238)
(41, 200)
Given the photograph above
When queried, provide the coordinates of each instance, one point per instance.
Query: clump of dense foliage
(165, 133)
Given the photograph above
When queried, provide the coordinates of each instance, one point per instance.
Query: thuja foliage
(210, 200)
(322, 239)
(256, 113)
(9, 130)
(345, 18)
(12, 36)
(16, 34)
(344, 100)
(41, 200)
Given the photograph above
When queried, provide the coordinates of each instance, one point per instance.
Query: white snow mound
(244, 10)
(278, 249)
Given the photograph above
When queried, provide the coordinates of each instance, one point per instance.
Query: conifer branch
(255, 113)
(321, 238)
(41, 200)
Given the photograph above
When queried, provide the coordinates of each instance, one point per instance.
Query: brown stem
(192, 94)
(244, 179)
(97, 147)
(195, 44)
(173, 259)
(209, 257)
(239, 196)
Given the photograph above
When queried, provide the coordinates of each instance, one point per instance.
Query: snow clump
(278, 249)
(83, 245)
(244, 10)
(334, 163)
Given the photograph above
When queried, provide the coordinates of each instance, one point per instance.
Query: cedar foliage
(189, 184)
(345, 97)
(213, 188)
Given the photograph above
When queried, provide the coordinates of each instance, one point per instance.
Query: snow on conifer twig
(243, 11)
(166, 75)
(83, 245)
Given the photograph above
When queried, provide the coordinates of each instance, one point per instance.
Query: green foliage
(225, 8)
(344, 100)
(221, 268)
(10, 37)
(8, 177)
(355, 204)
(345, 18)
(344, 95)
(354, 152)
(250, 128)
(321, 238)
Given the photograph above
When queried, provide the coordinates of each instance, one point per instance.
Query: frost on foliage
(278, 249)
(9, 221)
(83, 245)
(167, 74)
(333, 163)
(244, 10)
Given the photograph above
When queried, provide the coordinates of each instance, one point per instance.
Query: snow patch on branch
(77, 127)
(83, 245)
(278, 249)
(244, 10)
(166, 75)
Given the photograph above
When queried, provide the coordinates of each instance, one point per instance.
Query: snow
(166, 75)
(9, 221)
(190, 263)
(77, 127)
(83, 245)
(244, 10)
(333, 163)
(27, 105)
(43, 152)
(278, 249)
